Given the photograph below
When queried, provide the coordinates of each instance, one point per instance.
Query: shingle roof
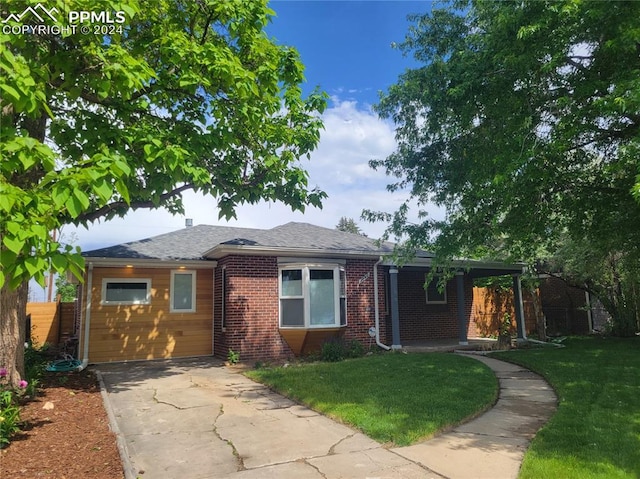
(193, 243)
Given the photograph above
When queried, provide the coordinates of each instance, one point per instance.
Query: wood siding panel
(307, 341)
(149, 331)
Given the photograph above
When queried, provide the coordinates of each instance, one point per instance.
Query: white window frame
(106, 281)
(338, 294)
(444, 292)
(172, 307)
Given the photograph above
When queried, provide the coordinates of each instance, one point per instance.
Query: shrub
(233, 357)
(35, 363)
(332, 350)
(337, 349)
(9, 408)
(355, 349)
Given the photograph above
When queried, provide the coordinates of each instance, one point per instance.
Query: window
(434, 295)
(126, 291)
(312, 296)
(183, 291)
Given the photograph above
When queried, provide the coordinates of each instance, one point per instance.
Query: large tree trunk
(13, 322)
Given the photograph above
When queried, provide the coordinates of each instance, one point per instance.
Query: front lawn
(596, 430)
(393, 398)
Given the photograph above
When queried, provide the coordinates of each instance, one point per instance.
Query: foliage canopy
(348, 225)
(524, 123)
(191, 95)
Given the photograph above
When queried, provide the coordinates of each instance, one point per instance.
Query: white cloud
(352, 136)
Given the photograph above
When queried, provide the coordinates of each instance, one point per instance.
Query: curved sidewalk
(196, 419)
(492, 445)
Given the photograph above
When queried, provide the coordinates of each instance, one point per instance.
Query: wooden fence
(51, 322)
(490, 305)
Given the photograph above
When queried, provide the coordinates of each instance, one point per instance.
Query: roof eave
(473, 265)
(106, 262)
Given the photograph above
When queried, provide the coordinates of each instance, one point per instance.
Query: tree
(66, 290)
(524, 123)
(348, 225)
(181, 95)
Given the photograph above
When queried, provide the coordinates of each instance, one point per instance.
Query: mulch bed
(71, 440)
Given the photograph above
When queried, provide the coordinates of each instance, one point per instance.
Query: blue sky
(346, 47)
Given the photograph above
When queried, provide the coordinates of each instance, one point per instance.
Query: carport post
(462, 320)
(517, 300)
(395, 313)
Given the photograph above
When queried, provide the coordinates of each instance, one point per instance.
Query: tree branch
(111, 207)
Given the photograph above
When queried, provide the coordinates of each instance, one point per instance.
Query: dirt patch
(70, 440)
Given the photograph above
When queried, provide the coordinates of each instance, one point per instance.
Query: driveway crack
(315, 467)
(239, 459)
(332, 448)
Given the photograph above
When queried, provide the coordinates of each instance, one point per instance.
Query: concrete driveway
(196, 419)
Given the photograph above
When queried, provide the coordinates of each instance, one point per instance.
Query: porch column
(517, 301)
(395, 315)
(462, 319)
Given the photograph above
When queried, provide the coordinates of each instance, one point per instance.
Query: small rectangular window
(183, 291)
(434, 295)
(291, 283)
(126, 291)
(292, 311)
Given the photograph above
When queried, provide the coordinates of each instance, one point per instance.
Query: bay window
(312, 296)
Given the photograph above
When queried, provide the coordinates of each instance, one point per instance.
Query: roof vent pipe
(188, 223)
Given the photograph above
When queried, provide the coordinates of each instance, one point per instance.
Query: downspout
(377, 305)
(87, 319)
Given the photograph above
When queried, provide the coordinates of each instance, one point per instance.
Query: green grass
(596, 431)
(393, 398)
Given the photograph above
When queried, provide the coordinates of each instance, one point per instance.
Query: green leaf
(35, 266)
(60, 194)
(82, 198)
(7, 200)
(13, 244)
(74, 206)
(103, 190)
(10, 91)
(59, 262)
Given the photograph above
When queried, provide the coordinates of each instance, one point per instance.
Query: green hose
(64, 365)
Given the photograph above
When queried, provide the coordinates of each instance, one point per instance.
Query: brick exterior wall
(251, 309)
(361, 301)
(251, 306)
(420, 321)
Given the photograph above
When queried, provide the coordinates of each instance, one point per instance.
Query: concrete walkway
(197, 419)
